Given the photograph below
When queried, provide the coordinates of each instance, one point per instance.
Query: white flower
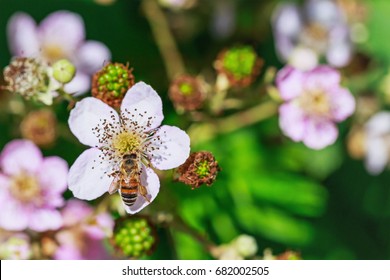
(377, 145)
(136, 128)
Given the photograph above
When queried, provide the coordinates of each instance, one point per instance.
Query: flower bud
(199, 168)
(39, 127)
(246, 245)
(63, 71)
(134, 237)
(111, 83)
(16, 247)
(187, 93)
(240, 65)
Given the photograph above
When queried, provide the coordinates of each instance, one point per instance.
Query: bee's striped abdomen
(129, 192)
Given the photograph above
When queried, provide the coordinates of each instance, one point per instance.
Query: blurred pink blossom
(60, 35)
(83, 233)
(14, 246)
(31, 188)
(136, 129)
(314, 102)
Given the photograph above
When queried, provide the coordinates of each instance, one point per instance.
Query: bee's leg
(144, 192)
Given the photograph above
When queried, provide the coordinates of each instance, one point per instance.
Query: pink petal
(13, 215)
(287, 20)
(68, 252)
(342, 104)
(101, 227)
(143, 105)
(63, 29)
(88, 114)
(53, 174)
(22, 35)
(75, 211)
(292, 121)
(45, 219)
(20, 156)
(289, 82)
(152, 183)
(87, 177)
(323, 78)
(319, 134)
(92, 55)
(377, 155)
(171, 147)
(80, 84)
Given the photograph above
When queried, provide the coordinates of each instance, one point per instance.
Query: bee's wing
(114, 186)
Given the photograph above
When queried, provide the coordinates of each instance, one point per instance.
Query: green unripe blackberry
(134, 237)
(240, 65)
(111, 83)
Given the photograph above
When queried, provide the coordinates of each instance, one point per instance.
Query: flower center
(186, 89)
(202, 169)
(25, 187)
(53, 52)
(126, 142)
(315, 36)
(315, 103)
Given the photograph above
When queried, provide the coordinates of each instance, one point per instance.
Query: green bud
(63, 71)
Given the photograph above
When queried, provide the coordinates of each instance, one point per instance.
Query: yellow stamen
(315, 102)
(126, 142)
(25, 187)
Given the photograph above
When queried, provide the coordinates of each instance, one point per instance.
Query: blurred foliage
(320, 203)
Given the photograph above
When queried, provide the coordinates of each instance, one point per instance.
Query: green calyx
(240, 61)
(203, 169)
(115, 79)
(134, 237)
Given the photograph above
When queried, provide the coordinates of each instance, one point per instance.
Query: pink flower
(30, 188)
(111, 136)
(14, 246)
(83, 233)
(314, 103)
(60, 35)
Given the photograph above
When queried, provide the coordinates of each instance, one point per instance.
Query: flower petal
(45, 219)
(342, 104)
(379, 124)
(289, 82)
(87, 115)
(322, 77)
(88, 177)
(90, 57)
(53, 174)
(80, 84)
(286, 20)
(20, 155)
(323, 12)
(170, 147)
(292, 121)
(150, 180)
(62, 29)
(319, 134)
(339, 55)
(143, 105)
(13, 216)
(376, 155)
(22, 35)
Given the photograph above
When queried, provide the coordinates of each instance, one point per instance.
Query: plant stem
(165, 41)
(207, 131)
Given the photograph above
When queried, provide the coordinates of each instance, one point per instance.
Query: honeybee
(128, 179)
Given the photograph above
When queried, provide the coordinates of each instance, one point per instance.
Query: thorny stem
(164, 38)
(207, 131)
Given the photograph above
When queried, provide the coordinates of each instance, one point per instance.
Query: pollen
(53, 52)
(25, 187)
(315, 103)
(126, 142)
